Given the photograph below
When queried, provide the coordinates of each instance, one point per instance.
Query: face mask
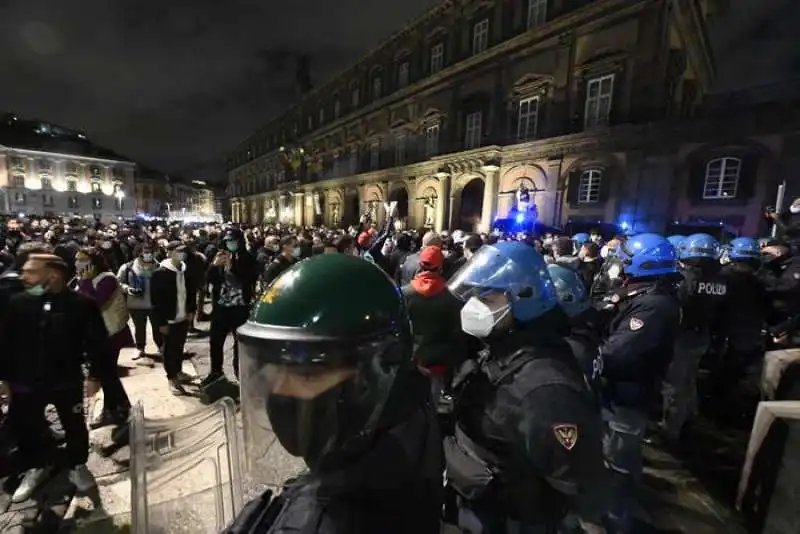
(296, 252)
(273, 248)
(479, 320)
(82, 267)
(595, 238)
(36, 291)
(106, 245)
(614, 272)
(232, 246)
(180, 256)
(147, 256)
(306, 427)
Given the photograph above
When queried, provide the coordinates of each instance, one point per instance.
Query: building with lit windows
(159, 195)
(47, 170)
(593, 108)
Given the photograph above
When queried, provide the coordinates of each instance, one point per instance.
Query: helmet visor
(489, 271)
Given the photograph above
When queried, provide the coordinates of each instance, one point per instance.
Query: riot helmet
(323, 355)
(648, 255)
(570, 290)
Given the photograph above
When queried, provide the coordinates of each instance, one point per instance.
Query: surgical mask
(479, 319)
(296, 252)
(106, 245)
(180, 256)
(147, 256)
(82, 267)
(232, 246)
(614, 271)
(37, 290)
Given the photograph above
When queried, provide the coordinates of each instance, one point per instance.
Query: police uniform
(527, 443)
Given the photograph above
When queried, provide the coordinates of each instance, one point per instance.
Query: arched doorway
(471, 208)
(352, 208)
(400, 195)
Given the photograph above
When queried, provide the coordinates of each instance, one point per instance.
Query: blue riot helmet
(744, 248)
(677, 241)
(646, 255)
(512, 270)
(699, 246)
(580, 239)
(570, 290)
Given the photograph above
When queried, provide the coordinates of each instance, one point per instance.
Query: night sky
(176, 84)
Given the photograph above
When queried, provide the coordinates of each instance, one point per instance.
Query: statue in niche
(372, 210)
(335, 214)
(429, 211)
(523, 198)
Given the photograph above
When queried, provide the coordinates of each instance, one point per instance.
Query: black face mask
(305, 427)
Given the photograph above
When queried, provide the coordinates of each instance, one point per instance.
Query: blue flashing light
(624, 225)
(520, 218)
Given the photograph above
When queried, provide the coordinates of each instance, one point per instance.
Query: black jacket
(276, 268)
(45, 340)
(244, 267)
(164, 292)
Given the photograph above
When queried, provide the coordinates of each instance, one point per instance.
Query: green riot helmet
(323, 360)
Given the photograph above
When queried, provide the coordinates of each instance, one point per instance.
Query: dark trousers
(25, 415)
(140, 318)
(115, 399)
(225, 321)
(174, 342)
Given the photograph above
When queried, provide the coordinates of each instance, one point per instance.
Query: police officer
(636, 353)
(741, 320)
(326, 364)
(702, 293)
(527, 443)
(677, 241)
(583, 336)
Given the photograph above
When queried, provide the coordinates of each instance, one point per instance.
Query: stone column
(299, 207)
(444, 205)
(549, 205)
(488, 209)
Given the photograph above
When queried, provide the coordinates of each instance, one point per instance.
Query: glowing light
(520, 218)
(625, 225)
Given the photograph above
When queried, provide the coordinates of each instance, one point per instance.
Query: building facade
(158, 195)
(43, 183)
(593, 106)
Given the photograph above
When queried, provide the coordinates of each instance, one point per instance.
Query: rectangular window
(722, 179)
(336, 168)
(589, 186)
(96, 188)
(472, 130)
(599, 92)
(527, 120)
(97, 203)
(321, 116)
(537, 13)
(47, 183)
(437, 58)
(402, 74)
(310, 123)
(374, 156)
(119, 203)
(432, 140)
(480, 37)
(72, 186)
(355, 95)
(337, 110)
(354, 160)
(18, 180)
(377, 87)
(400, 150)
(47, 201)
(73, 202)
(19, 198)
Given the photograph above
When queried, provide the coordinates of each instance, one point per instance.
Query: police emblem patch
(635, 324)
(566, 435)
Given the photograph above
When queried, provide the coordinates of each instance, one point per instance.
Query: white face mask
(479, 320)
(614, 272)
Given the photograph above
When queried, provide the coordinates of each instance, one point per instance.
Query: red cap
(431, 257)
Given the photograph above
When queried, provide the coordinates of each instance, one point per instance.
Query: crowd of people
(546, 352)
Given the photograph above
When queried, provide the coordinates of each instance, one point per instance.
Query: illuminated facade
(157, 195)
(591, 106)
(43, 183)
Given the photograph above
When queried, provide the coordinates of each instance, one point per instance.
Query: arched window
(722, 178)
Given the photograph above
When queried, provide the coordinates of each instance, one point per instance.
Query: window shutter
(748, 177)
(572, 186)
(696, 182)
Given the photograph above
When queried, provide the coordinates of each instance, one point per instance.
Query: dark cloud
(176, 84)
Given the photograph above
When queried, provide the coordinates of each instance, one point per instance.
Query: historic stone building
(580, 101)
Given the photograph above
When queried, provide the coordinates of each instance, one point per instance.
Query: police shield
(185, 471)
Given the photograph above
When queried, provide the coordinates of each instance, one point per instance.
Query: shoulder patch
(566, 435)
(635, 324)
